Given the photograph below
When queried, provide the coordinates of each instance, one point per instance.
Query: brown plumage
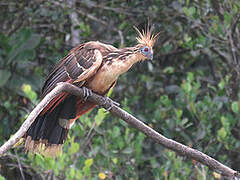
(94, 65)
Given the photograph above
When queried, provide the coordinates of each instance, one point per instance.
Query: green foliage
(101, 114)
(2, 178)
(189, 92)
(29, 93)
(5, 75)
(22, 46)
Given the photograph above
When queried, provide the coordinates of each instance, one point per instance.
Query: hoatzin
(93, 65)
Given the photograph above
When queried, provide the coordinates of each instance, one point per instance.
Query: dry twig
(20, 166)
(149, 132)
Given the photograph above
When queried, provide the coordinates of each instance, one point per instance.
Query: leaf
(86, 170)
(116, 132)
(25, 55)
(184, 122)
(50, 163)
(27, 89)
(20, 37)
(187, 38)
(20, 141)
(168, 70)
(227, 18)
(2, 178)
(74, 148)
(4, 76)
(235, 8)
(200, 134)
(120, 143)
(179, 113)
(115, 160)
(187, 87)
(222, 133)
(32, 42)
(192, 10)
(127, 150)
(235, 107)
(221, 85)
(100, 116)
(72, 172)
(190, 76)
(4, 42)
(24, 40)
(185, 10)
(189, 11)
(17, 41)
(79, 174)
(39, 159)
(165, 100)
(88, 162)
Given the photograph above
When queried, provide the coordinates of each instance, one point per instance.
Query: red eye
(146, 49)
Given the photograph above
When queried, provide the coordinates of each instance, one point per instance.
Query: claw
(86, 93)
(112, 103)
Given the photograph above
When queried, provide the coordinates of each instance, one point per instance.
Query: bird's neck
(124, 58)
(132, 54)
(125, 54)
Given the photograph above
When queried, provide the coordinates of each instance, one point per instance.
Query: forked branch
(149, 132)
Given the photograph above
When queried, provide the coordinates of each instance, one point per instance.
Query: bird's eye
(145, 49)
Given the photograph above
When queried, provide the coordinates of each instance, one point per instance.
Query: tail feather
(54, 102)
(49, 129)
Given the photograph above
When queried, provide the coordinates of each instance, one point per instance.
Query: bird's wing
(80, 64)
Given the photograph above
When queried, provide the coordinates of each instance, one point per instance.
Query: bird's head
(146, 42)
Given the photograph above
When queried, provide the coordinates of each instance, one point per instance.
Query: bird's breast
(103, 79)
(107, 75)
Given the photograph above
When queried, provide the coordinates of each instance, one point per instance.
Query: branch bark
(115, 110)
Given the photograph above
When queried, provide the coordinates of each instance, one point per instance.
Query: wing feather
(80, 64)
(91, 66)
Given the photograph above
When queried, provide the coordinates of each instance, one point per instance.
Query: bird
(94, 66)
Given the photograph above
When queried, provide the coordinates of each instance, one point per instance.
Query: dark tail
(49, 131)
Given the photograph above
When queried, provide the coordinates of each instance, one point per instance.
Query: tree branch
(100, 100)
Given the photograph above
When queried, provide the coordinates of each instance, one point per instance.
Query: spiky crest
(146, 37)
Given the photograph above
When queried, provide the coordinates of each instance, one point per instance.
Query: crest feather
(146, 37)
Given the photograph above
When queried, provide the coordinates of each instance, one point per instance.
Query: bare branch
(82, 12)
(32, 116)
(100, 100)
(20, 166)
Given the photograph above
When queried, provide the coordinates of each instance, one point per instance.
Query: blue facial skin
(146, 51)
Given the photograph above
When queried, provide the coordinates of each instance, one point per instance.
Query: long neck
(124, 54)
(122, 59)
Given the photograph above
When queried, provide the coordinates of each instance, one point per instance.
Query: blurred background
(189, 92)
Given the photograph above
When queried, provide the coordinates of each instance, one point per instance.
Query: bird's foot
(86, 93)
(111, 102)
